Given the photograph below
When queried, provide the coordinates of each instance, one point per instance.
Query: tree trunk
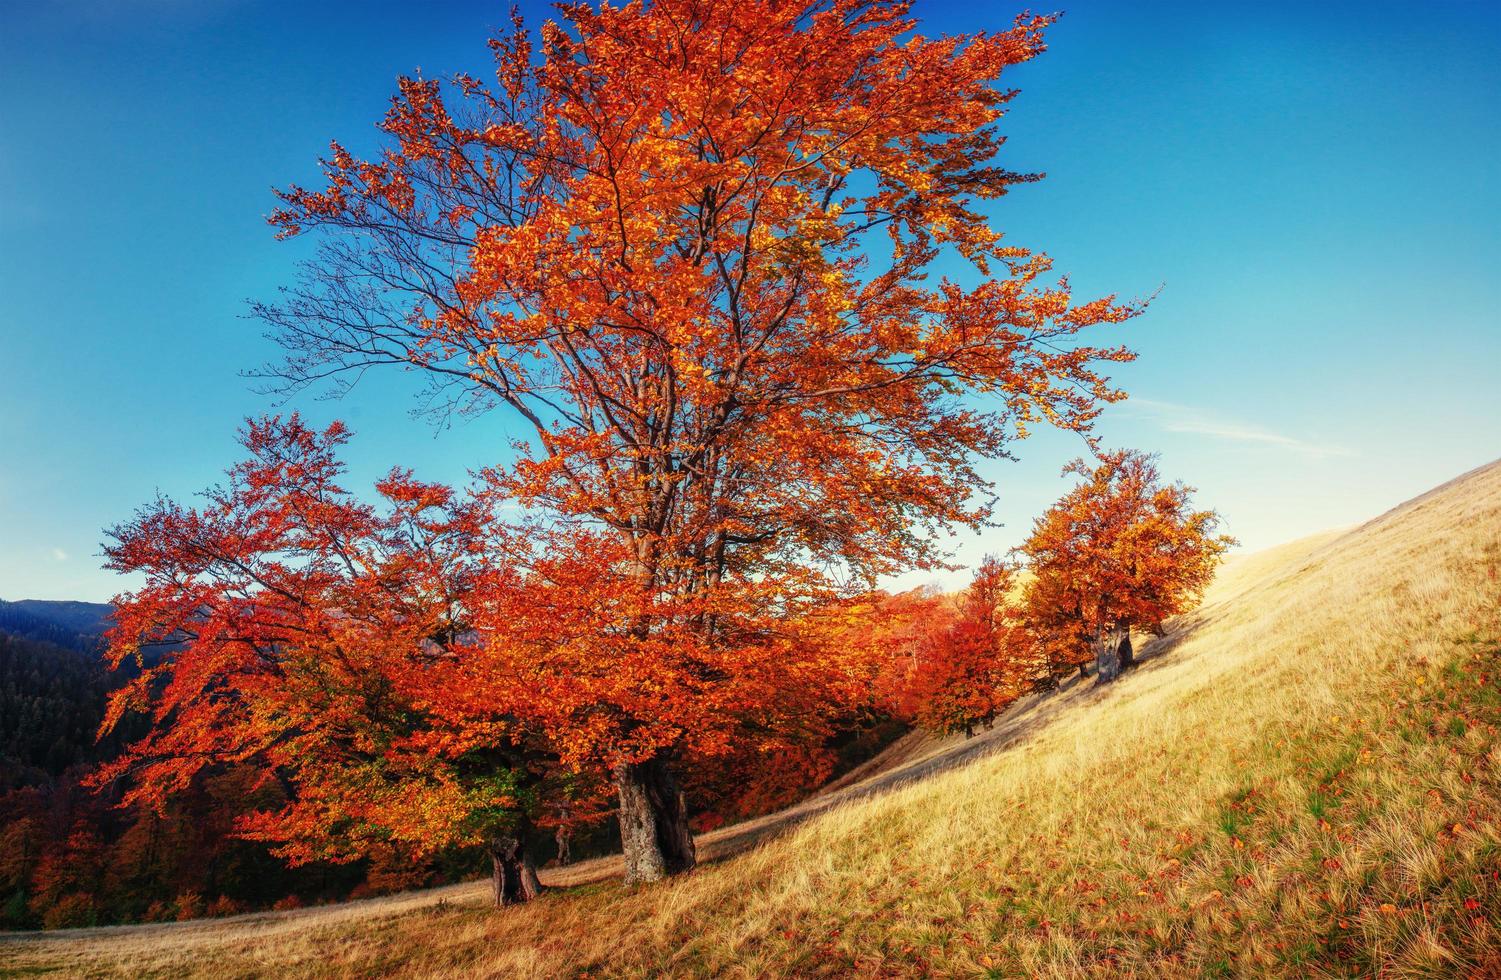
(654, 830)
(1108, 653)
(1128, 656)
(513, 873)
(563, 836)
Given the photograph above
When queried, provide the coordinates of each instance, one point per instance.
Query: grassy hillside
(1302, 779)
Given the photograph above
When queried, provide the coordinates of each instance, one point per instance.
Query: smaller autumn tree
(1121, 551)
(980, 664)
(315, 638)
(900, 634)
(948, 663)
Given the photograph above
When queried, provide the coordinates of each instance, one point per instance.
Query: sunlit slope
(1301, 779)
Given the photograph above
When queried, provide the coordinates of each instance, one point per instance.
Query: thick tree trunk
(1128, 656)
(1108, 653)
(513, 873)
(654, 830)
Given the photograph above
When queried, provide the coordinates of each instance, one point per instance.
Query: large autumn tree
(1123, 550)
(694, 247)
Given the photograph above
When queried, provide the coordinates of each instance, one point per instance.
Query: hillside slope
(1303, 778)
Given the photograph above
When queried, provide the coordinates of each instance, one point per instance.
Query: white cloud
(59, 554)
(1194, 421)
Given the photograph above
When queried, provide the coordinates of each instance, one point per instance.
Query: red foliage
(982, 663)
(903, 634)
(654, 241)
(951, 663)
(302, 632)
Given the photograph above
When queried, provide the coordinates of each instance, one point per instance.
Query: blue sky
(1312, 186)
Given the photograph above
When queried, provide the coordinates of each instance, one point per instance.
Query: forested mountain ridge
(53, 686)
(64, 623)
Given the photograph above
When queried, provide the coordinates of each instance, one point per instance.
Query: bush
(189, 906)
(224, 905)
(71, 911)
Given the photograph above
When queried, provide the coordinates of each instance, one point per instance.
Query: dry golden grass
(1302, 779)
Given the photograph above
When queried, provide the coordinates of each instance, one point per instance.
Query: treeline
(70, 855)
(51, 704)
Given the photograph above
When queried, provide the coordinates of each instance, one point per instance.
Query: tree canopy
(691, 247)
(1121, 550)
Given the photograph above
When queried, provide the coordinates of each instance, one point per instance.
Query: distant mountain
(84, 617)
(73, 625)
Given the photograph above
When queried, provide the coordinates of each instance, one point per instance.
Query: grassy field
(1302, 779)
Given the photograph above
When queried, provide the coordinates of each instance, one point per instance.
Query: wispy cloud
(59, 554)
(1194, 421)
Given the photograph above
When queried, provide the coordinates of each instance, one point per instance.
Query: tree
(1122, 550)
(900, 634)
(658, 242)
(313, 636)
(949, 663)
(981, 664)
(67, 881)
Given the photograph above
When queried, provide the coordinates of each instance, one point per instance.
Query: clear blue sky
(1314, 187)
